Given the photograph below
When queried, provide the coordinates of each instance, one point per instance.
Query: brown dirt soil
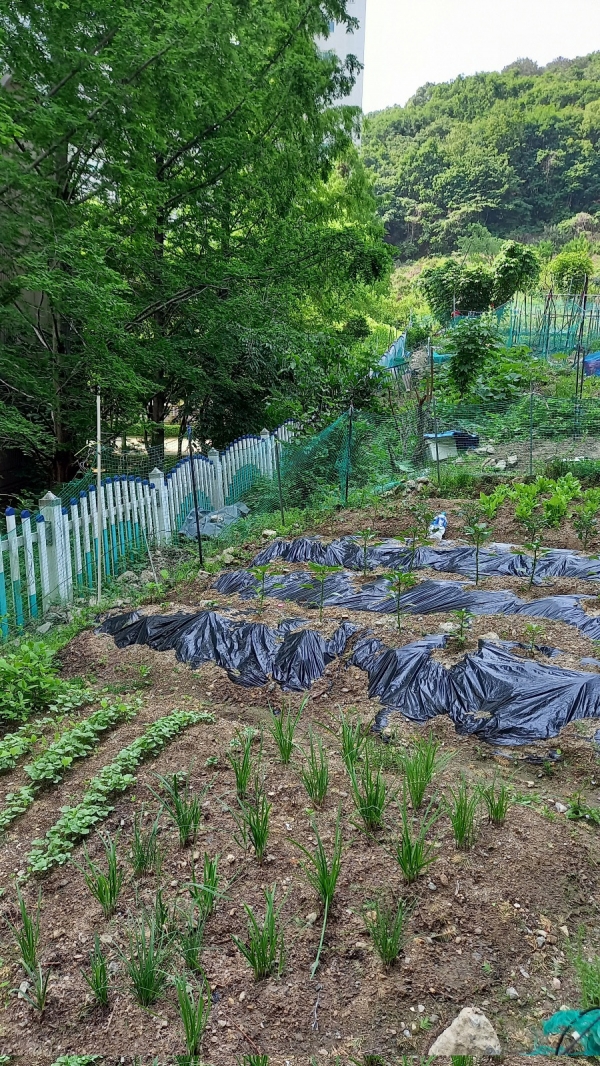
(502, 915)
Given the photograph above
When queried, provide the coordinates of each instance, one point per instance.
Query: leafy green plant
(205, 894)
(283, 729)
(76, 743)
(479, 532)
(585, 517)
(191, 939)
(497, 799)
(533, 631)
(264, 949)
(323, 876)
(38, 996)
(535, 547)
(400, 583)
(194, 1014)
(260, 575)
(579, 810)
(105, 887)
(253, 821)
(414, 854)
(254, 1060)
(463, 620)
(27, 935)
(97, 978)
(17, 803)
(387, 925)
(490, 505)
(369, 792)
(14, 745)
(78, 821)
(462, 810)
(315, 775)
(420, 764)
(240, 760)
(146, 960)
(320, 573)
(353, 738)
(588, 972)
(471, 342)
(365, 536)
(146, 856)
(29, 683)
(182, 807)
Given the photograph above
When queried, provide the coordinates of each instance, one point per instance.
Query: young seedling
(146, 856)
(105, 887)
(323, 876)
(365, 537)
(320, 574)
(191, 939)
(354, 739)
(240, 760)
(462, 810)
(205, 894)
(463, 620)
(97, 979)
(27, 937)
(163, 919)
(146, 961)
(533, 631)
(194, 1015)
(420, 765)
(183, 808)
(264, 949)
(497, 799)
(260, 574)
(37, 994)
(387, 925)
(400, 583)
(253, 822)
(414, 854)
(283, 730)
(418, 529)
(315, 776)
(588, 972)
(254, 1060)
(479, 533)
(535, 547)
(369, 792)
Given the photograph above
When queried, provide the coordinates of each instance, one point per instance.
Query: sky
(410, 42)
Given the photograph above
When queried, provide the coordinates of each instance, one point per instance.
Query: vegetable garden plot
(494, 694)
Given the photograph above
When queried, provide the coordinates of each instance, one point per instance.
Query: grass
(37, 996)
(146, 961)
(253, 822)
(146, 856)
(497, 799)
(194, 1013)
(387, 925)
(191, 939)
(369, 792)
(241, 763)
(420, 765)
(323, 875)
(264, 948)
(205, 894)
(283, 729)
(254, 1060)
(462, 810)
(315, 776)
(97, 979)
(353, 740)
(105, 887)
(588, 972)
(183, 808)
(414, 854)
(27, 937)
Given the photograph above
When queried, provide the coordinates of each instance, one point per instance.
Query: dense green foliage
(515, 151)
(29, 684)
(184, 217)
(459, 286)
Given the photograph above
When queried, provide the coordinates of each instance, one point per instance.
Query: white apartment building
(352, 43)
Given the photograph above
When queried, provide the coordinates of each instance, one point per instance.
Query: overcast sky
(409, 42)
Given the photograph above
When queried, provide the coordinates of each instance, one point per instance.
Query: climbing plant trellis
(48, 558)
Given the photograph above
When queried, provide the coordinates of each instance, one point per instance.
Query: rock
(448, 627)
(512, 992)
(489, 449)
(227, 557)
(512, 460)
(422, 481)
(500, 465)
(432, 886)
(556, 982)
(563, 929)
(23, 989)
(113, 967)
(242, 997)
(146, 577)
(269, 532)
(459, 462)
(410, 484)
(561, 808)
(44, 628)
(312, 917)
(471, 1033)
(491, 636)
(128, 575)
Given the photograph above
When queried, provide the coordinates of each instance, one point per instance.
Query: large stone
(512, 460)
(471, 1033)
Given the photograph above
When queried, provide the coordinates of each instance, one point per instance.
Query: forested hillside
(515, 151)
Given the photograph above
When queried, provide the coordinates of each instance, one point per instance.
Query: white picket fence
(47, 558)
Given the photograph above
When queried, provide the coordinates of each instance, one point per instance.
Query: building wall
(349, 44)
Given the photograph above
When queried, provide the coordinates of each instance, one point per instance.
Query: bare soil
(503, 915)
